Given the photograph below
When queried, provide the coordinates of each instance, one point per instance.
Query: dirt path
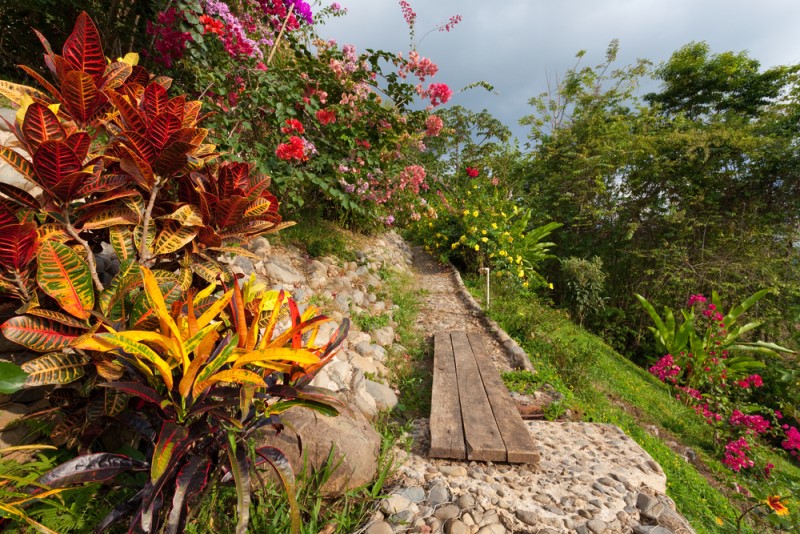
(443, 310)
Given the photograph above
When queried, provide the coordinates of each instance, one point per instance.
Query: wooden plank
(481, 433)
(516, 436)
(447, 429)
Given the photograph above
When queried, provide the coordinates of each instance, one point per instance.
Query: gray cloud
(517, 44)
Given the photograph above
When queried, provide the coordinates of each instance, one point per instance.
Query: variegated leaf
(58, 317)
(115, 75)
(16, 92)
(210, 271)
(106, 218)
(121, 238)
(80, 95)
(141, 352)
(39, 333)
(17, 162)
(82, 49)
(115, 402)
(65, 276)
(174, 237)
(186, 215)
(55, 368)
(126, 280)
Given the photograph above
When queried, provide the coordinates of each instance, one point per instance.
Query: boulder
(356, 446)
(280, 270)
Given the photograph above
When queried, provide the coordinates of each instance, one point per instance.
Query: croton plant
(114, 159)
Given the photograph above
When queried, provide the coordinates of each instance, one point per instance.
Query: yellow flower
(466, 212)
(551, 285)
(719, 521)
(475, 213)
(774, 502)
(504, 214)
(521, 273)
(477, 247)
(473, 229)
(524, 284)
(484, 239)
(510, 239)
(503, 253)
(494, 226)
(483, 232)
(430, 225)
(454, 245)
(519, 259)
(463, 238)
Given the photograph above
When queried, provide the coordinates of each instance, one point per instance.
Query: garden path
(591, 477)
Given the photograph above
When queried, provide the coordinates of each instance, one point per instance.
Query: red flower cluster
(326, 116)
(735, 455)
(170, 42)
(408, 13)
(472, 172)
(293, 126)
(211, 25)
(294, 150)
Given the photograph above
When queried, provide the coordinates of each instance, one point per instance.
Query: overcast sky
(516, 44)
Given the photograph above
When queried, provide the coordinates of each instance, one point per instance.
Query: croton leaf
(142, 353)
(173, 158)
(17, 162)
(161, 128)
(121, 239)
(136, 389)
(131, 118)
(106, 217)
(114, 402)
(280, 463)
(229, 211)
(52, 232)
(191, 480)
(137, 168)
(90, 468)
(42, 81)
(17, 245)
(53, 162)
(104, 183)
(58, 317)
(171, 437)
(80, 95)
(190, 113)
(186, 215)
(41, 124)
(143, 147)
(79, 142)
(83, 50)
(39, 333)
(7, 215)
(55, 368)
(115, 75)
(174, 237)
(16, 92)
(236, 376)
(65, 276)
(17, 196)
(154, 100)
(123, 284)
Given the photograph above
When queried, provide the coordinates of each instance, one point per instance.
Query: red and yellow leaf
(53, 162)
(161, 128)
(237, 376)
(65, 276)
(41, 124)
(39, 334)
(174, 237)
(17, 162)
(80, 95)
(82, 49)
(141, 352)
(115, 75)
(171, 436)
(17, 245)
(107, 217)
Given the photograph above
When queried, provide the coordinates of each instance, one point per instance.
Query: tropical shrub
(584, 281)
(342, 135)
(116, 160)
(479, 227)
(709, 364)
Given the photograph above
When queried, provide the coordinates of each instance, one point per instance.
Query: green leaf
(12, 378)
(55, 368)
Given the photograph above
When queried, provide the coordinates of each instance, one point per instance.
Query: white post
(487, 285)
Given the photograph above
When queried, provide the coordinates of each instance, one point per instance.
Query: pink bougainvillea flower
(433, 125)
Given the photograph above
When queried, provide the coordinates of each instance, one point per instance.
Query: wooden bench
(472, 414)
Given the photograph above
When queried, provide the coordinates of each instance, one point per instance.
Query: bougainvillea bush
(709, 364)
(112, 260)
(338, 129)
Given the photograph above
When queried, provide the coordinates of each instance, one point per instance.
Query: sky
(517, 45)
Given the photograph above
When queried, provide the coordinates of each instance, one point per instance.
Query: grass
(318, 237)
(606, 387)
(366, 322)
(409, 370)
(269, 511)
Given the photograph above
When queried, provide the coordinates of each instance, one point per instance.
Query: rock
(453, 470)
(438, 494)
(379, 527)
(596, 526)
(495, 528)
(652, 529)
(12, 434)
(385, 398)
(448, 511)
(384, 336)
(280, 270)
(365, 403)
(414, 494)
(528, 517)
(356, 446)
(454, 526)
(649, 506)
(394, 504)
(245, 264)
(466, 501)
